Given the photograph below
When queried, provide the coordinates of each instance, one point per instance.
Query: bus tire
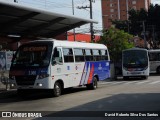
(57, 89)
(158, 69)
(93, 85)
(145, 77)
(125, 77)
(21, 92)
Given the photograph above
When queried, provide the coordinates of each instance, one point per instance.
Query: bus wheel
(21, 92)
(145, 77)
(93, 85)
(158, 70)
(125, 77)
(57, 89)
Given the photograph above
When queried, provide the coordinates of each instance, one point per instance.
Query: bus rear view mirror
(54, 62)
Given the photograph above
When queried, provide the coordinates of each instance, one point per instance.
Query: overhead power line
(91, 17)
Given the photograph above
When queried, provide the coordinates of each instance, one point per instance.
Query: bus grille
(25, 80)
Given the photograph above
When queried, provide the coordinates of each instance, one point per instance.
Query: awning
(24, 21)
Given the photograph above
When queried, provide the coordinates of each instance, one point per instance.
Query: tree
(121, 24)
(136, 17)
(151, 18)
(153, 25)
(116, 41)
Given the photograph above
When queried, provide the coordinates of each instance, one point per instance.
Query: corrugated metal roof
(16, 19)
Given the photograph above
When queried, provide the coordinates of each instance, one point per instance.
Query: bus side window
(100, 55)
(153, 56)
(88, 55)
(106, 55)
(158, 57)
(96, 55)
(68, 55)
(79, 55)
(57, 56)
(103, 55)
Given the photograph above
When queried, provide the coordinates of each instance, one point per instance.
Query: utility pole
(91, 24)
(152, 27)
(16, 1)
(154, 42)
(73, 14)
(144, 34)
(91, 17)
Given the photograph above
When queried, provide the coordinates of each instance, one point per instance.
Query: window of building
(112, 15)
(111, 5)
(111, 10)
(134, 7)
(133, 2)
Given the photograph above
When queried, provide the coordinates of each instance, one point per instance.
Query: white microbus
(135, 63)
(55, 65)
(154, 59)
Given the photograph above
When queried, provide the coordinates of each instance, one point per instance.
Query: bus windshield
(135, 59)
(37, 55)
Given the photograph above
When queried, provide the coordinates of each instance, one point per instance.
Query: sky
(155, 1)
(65, 7)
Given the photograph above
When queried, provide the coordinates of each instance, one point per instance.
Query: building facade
(81, 37)
(118, 9)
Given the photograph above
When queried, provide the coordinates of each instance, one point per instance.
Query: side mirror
(54, 62)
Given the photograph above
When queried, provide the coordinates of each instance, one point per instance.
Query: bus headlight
(39, 84)
(43, 76)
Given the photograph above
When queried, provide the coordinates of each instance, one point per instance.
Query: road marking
(130, 82)
(155, 82)
(112, 82)
(143, 82)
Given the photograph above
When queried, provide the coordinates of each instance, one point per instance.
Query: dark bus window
(104, 54)
(79, 55)
(96, 55)
(32, 54)
(88, 55)
(154, 56)
(68, 55)
(57, 56)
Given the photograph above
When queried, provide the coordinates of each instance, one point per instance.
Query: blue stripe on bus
(101, 68)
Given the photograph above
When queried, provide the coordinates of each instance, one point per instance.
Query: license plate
(135, 73)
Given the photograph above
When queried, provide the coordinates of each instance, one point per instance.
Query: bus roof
(73, 44)
(135, 49)
(156, 50)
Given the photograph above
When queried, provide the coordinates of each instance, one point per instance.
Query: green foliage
(134, 24)
(135, 19)
(116, 41)
(122, 25)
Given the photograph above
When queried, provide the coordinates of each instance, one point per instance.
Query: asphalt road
(120, 96)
